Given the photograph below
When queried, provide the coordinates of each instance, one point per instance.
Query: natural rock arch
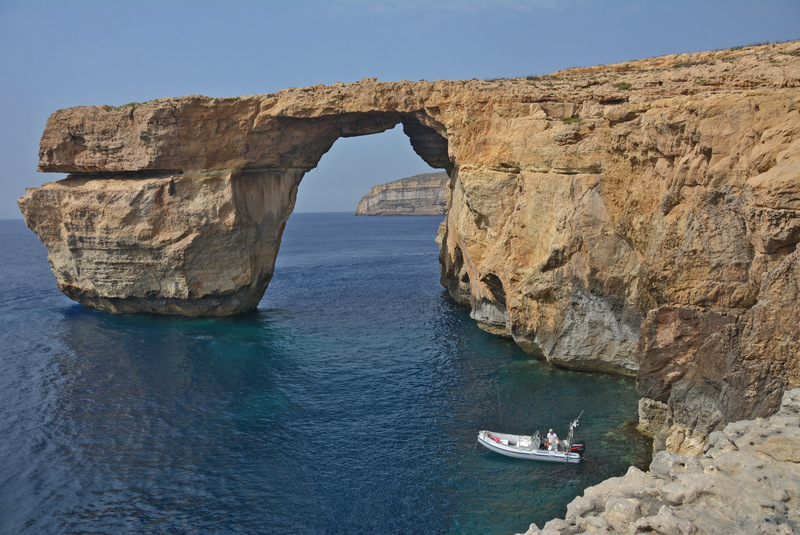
(621, 218)
(178, 206)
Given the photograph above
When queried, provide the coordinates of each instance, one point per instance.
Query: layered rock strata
(416, 195)
(190, 243)
(747, 481)
(640, 218)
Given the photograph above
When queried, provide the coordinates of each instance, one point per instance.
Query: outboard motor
(578, 446)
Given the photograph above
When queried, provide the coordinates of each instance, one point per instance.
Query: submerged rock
(747, 481)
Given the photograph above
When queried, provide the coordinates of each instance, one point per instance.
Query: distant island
(416, 195)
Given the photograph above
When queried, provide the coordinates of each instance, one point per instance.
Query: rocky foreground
(640, 218)
(424, 194)
(746, 482)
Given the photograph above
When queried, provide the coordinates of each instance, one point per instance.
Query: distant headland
(423, 194)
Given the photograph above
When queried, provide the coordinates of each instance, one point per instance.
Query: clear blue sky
(56, 54)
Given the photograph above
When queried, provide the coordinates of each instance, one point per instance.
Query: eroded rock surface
(640, 218)
(193, 243)
(747, 481)
(416, 195)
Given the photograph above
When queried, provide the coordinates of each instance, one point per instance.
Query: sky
(57, 54)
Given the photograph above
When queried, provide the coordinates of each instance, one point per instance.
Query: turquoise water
(348, 403)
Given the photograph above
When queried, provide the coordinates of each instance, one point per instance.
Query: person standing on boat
(552, 439)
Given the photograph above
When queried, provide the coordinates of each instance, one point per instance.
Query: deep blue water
(348, 403)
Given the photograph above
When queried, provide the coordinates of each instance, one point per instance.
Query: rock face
(640, 218)
(416, 195)
(747, 481)
(191, 243)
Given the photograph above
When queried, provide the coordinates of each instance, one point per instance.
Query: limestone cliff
(640, 218)
(416, 195)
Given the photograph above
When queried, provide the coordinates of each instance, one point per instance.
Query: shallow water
(348, 403)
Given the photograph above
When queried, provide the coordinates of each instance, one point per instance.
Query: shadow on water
(348, 403)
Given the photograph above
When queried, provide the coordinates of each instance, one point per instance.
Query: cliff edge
(640, 218)
(746, 481)
(416, 195)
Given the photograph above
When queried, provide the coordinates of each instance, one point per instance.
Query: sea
(349, 402)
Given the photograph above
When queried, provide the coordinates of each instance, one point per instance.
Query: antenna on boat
(572, 427)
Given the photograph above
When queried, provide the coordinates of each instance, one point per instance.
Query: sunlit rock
(640, 218)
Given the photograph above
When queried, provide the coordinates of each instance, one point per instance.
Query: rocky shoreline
(746, 481)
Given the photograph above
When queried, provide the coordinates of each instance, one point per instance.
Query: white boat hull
(523, 447)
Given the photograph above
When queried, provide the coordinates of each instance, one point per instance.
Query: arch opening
(346, 171)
